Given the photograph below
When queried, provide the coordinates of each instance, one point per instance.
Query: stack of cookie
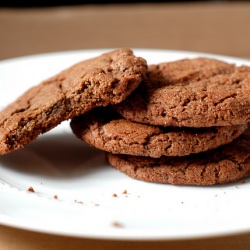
(181, 122)
(186, 123)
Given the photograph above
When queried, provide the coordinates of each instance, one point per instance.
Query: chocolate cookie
(198, 92)
(104, 129)
(225, 164)
(99, 81)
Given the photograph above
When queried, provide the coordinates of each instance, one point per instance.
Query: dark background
(45, 3)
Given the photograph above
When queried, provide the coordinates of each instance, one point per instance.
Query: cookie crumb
(31, 189)
(243, 181)
(125, 191)
(55, 197)
(78, 202)
(117, 224)
(114, 195)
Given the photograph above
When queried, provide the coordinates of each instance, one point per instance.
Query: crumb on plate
(31, 189)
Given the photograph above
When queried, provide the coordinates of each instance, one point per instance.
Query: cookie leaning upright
(107, 79)
(200, 92)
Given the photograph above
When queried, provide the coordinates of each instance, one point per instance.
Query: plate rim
(135, 49)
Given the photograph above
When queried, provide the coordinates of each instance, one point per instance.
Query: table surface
(220, 28)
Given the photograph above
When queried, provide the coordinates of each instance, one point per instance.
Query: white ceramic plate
(59, 165)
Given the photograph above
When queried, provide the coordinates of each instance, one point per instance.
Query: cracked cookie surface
(108, 78)
(199, 92)
(225, 164)
(105, 129)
